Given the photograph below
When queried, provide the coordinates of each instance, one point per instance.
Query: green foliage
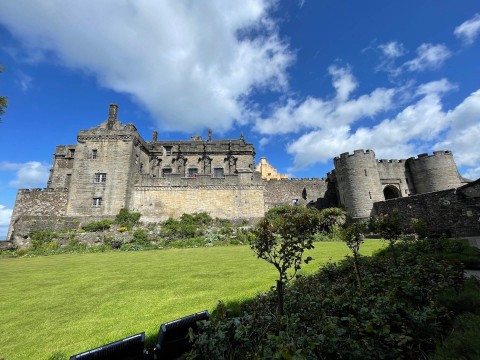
(283, 235)
(332, 218)
(95, 226)
(281, 238)
(41, 237)
(140, 236)
(388, 226)
(420, 227)
(353, 236)
(397, 315)
(463, 341)
(184, 228)
(466, 299)
(127, 218)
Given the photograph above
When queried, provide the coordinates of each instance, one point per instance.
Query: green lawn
(72, 303)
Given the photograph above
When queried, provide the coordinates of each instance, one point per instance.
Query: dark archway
(391, 192)
(304, 194)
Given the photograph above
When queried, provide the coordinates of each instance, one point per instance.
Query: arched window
(304, 194)
(391, 192)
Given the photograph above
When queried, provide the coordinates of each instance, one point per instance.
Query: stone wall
(435, 172)
(235, 202)
(317, 192)
(358, 182)
(455, 212)
(38, 202)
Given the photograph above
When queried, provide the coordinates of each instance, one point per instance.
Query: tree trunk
(280, 297)
(357, 273)
(393, 254)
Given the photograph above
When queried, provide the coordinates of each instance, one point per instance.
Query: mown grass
(72, 303)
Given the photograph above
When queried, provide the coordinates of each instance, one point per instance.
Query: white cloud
(393, 138)
(472, 173)
(23, 81)
(469, 30)
(191, 64)
(392, 49)
(429, 56)
(464, 132)
(5, 215)
(389, 53)
(316, 113)
(28, 175)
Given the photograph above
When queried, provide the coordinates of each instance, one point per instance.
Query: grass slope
(72, 303)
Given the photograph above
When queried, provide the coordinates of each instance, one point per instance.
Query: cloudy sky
(303, 80)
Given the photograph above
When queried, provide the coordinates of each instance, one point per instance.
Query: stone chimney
(112, 115)
(154, 135)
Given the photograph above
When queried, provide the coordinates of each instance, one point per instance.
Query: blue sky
(303, 80)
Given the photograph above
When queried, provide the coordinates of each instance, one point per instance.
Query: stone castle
(112, 167)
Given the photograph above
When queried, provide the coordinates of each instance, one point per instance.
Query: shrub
(420, 227)
(281, 238)
(95, 226)
(127, 218)
(463, 341)
(331, 218)
(140, 236)
(40, 237)
(397, 316)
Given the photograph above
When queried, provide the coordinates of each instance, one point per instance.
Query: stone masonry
(112, 167)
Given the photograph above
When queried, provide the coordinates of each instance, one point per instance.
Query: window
(100, 177)
(97, 201)
(168, 150)
(192, 172)
(71, 153)
(365, 172)
(218, 172)
(141, 167)
(93, 154)
(166, 171)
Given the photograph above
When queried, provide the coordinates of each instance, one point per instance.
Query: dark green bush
(127, 218)
(463, 341)
(397, 315)
(140, 236)
(95, 226)
(40, 237)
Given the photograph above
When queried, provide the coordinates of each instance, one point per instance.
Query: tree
(353, 236)
(281, 237)
(388, 226)
(331, 218)
(3, 99)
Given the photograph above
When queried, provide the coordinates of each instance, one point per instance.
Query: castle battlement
(359, 152)
(438, 153)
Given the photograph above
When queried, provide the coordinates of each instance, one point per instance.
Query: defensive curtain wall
(112, 167)
(455, 212)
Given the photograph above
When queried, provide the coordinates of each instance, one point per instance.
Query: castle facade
(112, 167)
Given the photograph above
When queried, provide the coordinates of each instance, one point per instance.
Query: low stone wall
(38, 202)
(26, 224)
(455, 212)
(317, 192)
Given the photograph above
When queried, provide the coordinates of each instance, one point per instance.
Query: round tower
(434, 172)
(358, 182)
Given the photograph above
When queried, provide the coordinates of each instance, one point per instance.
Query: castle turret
(358, 182)
(434, 172)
